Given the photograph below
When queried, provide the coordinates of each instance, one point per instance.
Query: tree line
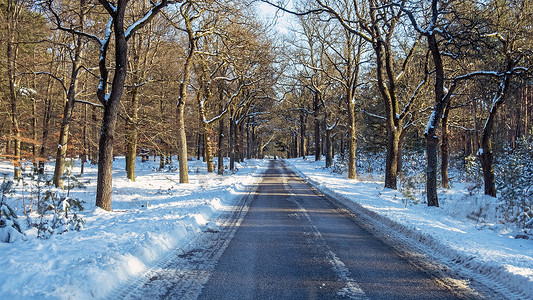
(400, 72)
(95, 78)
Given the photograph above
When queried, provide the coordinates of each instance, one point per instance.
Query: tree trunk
(63, 143)
(526, 110)
(294, 146)
(105, 155)
(254, 143)
(431, 172)
(444, 149)
(12, 20)
(303, 130)
(239, 142)
(329, 157)
(34, 131)
(352, 139)
(487, 164)
(46, 127)
(182, 143)
(391, 162)
(231, 143)
(131, 143)
(182, 136)
(161, 161)
(208, 149)
(94, 146)
(317, 136)
(68, 109)
(248, 141)
(260, 143)
(432, 140)
(85, 144)
(105, 152)
(399, 158)
(221, 146)
(485, 152)
(206, 133)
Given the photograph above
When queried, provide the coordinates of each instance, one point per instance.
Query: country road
(294, 244)
(287, 241)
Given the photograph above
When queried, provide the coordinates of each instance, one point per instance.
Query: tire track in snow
(183, 273)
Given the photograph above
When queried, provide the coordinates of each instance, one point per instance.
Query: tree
(509, 31)
(72, 89)
(116, 32)
(12, 14)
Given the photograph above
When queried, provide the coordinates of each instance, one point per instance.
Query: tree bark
(391, 162)
(240, 142)
(399, 159)
(444, 149)
(432, 140)
(317, 127)
(68, 109)
(107, 133)
(85, 143)
(485, 152)
(329, 156)
(352, 139)
(45, 126)
(131, 142)
(11, 51)
(303, 121)
(208, 149)
(182, 141)
(34, 131)
(182, 136)
(231, 142)
(221, 146)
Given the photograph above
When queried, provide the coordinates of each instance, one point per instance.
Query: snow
(155, 217)
(451, 234)
(151, 218)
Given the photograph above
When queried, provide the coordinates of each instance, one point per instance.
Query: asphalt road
(295, 244)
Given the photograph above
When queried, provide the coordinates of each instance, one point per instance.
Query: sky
(280, 20)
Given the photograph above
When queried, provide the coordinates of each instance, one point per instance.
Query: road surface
(294, 243)
(287, 241)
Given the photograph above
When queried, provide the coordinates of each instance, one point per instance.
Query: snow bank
(151, 219)
(455, 233)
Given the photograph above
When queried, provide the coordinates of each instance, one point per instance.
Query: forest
(421, 86)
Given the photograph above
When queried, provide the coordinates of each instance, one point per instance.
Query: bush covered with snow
(10, 230)
(514, 176)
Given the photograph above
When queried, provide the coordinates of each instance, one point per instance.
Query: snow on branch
(88, 103)
(59, 79)
(373, 115)
(331, 127)
(112, 10)
(227, 105)
(146, 19)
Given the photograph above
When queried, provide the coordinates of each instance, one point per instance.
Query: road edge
(426, 252)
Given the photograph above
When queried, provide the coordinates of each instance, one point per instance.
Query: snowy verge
(151, 219)
(478, 253)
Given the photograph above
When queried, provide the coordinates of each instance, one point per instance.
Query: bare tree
(117, 32)
(72, 89)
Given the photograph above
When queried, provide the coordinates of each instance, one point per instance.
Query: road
(293, 243)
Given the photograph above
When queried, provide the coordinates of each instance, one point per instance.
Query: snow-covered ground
(156, 216)
(453, 233)
(151, 218)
